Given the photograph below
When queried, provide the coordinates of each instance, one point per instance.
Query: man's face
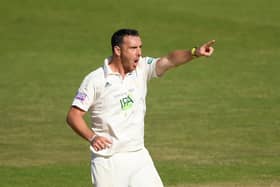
(130, 52)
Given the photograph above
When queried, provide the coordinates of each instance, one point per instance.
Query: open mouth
(136, 61)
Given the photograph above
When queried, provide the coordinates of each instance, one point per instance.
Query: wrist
(194, 52)
(92, 138)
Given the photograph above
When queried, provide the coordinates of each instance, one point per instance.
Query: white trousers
(130, 169)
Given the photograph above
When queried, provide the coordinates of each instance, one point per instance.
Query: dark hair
(117, 37)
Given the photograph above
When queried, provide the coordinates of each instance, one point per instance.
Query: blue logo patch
(81, 96)
(150, 60)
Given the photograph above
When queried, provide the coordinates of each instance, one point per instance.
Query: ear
(117, 50)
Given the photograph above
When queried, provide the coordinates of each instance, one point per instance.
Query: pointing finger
(210, 43)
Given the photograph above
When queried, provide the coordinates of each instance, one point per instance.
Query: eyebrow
(136, 46)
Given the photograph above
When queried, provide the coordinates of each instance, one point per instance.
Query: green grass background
(212, 122)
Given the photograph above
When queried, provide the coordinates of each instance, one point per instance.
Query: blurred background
(212, 122)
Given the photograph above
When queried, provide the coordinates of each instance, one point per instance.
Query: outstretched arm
(179, 57)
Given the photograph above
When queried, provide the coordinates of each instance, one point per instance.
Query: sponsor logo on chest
(126, 103)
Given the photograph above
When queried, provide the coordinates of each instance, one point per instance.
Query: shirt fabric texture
(117, 105)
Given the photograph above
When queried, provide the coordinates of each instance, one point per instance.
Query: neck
(116, 66)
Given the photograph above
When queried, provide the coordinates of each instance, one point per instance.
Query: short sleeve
(85, 94)
(149, 65)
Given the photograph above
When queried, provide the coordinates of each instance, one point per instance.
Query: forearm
(179, 57)
(173, 59)
(78, 124)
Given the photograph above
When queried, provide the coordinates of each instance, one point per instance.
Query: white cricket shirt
(117, 106)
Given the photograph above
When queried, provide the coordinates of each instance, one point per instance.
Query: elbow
(68, 118)
(70, 121)
(73, 116)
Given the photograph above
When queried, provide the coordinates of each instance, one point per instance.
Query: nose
(139, 52)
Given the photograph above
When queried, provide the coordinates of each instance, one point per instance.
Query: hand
(99, 143)
(205, 49)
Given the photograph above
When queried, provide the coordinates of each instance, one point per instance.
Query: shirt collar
(107, 69)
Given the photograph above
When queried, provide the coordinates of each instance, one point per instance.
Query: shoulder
(147, 60)
(94, 78)
(147, 65)
(96, 74)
